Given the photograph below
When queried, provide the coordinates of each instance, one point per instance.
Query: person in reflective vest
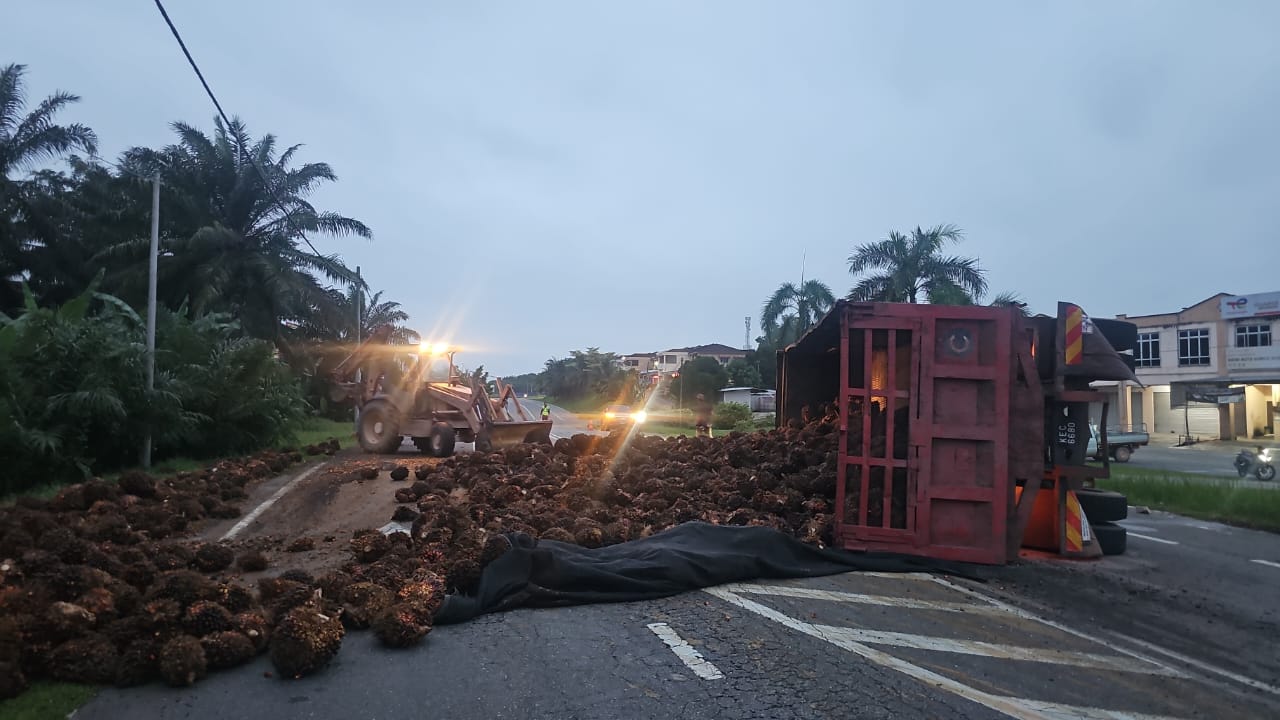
(546, 411)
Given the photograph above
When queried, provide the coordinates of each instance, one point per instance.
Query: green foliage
(589, 373)
(911, 268)
(73, 398)
(731, 415)
(743, 373)
(1226, 501)
(700, 375)
(47, 700)
(790, 311)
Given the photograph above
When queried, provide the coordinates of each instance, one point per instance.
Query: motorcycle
(1259, 464)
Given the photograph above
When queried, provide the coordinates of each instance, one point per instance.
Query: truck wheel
(443, 439)
(1266, 473)
(1122, 454)
(1103, 506)
(379, 430)
(1112, 539)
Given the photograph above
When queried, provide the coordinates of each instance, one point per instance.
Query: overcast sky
(548, 176)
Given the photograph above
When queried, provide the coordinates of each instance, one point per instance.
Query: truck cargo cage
(944, 412)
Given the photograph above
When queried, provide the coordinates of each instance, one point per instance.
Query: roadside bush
(73, 399)
(731, 415)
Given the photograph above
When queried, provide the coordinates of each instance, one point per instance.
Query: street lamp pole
(153, 261)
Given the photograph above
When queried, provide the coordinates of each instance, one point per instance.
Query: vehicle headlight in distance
(639, 417)
(610, 415)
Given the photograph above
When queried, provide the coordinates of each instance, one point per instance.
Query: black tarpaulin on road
(694, 555)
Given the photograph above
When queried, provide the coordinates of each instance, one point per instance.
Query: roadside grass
(1224, 501)
(579, 406)
(314, 430)
(47, 701)
(317, 430)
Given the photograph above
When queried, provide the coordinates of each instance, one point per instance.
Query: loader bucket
(510, 434)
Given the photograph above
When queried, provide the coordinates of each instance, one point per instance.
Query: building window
(668, 359)
(1248, 336)
(1148, 351)
(1193, 347)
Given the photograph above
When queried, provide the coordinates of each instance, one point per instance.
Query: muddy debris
(302, 544)
(400, 473)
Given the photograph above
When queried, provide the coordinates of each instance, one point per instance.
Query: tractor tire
(1122, 454)
(379, 430)
(423, 444)
(1103, 506)
(443, 438)
(1112, 539)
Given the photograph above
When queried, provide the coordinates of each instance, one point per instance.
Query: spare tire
(1111, 538)
(1102, 506)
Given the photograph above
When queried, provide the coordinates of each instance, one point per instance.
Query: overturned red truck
(963, 430)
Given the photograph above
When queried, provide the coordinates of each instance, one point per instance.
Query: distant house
(669, 361)
(639, 362)
(758, 399)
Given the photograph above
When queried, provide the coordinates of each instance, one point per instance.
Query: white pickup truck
(1120, 444)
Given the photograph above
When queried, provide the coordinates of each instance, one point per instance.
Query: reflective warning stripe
(1075, 524)
(1074, 335)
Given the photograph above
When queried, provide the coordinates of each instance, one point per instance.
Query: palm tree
(912, 268)
(792, 310)
(335, 323)
(235, 228)
(25, 141)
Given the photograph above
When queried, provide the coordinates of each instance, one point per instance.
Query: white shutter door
(1164, 415)
(1202, 420)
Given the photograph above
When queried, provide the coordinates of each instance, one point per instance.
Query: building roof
(632, 355)
(1211, 298)
(752, 389)
(712, 349)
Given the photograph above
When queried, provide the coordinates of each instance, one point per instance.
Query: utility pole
(153, 260)
(359, 316)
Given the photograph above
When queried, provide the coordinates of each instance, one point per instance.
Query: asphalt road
(1209, 459)
(854, 645)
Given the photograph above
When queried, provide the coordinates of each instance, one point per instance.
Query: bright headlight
(610, 415)
(639, 417)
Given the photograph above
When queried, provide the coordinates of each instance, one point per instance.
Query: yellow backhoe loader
(423, 396)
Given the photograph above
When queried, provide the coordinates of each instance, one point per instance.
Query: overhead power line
(288, 216)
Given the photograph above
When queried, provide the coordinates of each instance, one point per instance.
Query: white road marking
(690, 657)
(1011, 706)
(247, 519)
(1267, 562)
(1153, 539)
(848, 597)
(1220, 672)
(989, 649)
(1023, 614)
(1135, 526)
(1257, 684)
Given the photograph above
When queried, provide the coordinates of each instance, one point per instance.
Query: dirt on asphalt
(326, 508)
